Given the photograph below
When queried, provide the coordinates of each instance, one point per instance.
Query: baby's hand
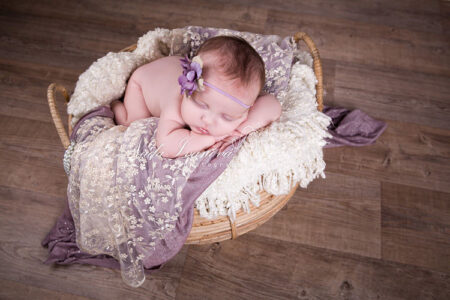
(223, 143)
(218, 142)
(219, 138)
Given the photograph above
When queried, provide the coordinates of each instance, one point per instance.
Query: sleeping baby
(221, 97)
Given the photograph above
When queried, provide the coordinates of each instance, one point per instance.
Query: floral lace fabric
(125, 198)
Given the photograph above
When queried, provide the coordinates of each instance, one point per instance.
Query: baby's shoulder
(160, 77)
(167, 66)
(159, 82)
(171, 115)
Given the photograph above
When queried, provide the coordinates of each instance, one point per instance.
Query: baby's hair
(237, 59)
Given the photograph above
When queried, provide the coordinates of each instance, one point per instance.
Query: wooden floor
(378, 226)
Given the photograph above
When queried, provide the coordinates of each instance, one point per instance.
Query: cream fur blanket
(293, 144)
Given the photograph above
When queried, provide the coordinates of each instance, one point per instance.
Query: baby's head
(231, 65)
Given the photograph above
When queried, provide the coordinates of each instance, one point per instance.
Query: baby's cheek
(186, 111)
(228, 129)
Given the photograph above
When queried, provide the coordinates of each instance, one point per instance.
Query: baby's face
(217, 113)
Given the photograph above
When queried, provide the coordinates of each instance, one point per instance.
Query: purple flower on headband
(192, 72)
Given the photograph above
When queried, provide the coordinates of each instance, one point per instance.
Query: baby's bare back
(159, 83)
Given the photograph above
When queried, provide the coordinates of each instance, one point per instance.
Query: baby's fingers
(224, 146)
(228, 142)
(216, 145)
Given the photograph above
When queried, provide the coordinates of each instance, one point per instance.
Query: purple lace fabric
(125, 205)
(351, 128)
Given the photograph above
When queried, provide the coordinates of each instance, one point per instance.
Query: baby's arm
(134, 106)
(264, 111)
(172, 140)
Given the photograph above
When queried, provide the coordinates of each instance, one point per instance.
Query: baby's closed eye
(228, 118)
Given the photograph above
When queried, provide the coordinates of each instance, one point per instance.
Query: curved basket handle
(55, 115)
(129, 48)
(317, 65)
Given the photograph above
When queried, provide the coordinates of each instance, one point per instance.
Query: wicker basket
(205, 231)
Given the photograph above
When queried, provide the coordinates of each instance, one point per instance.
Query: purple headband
(191, 79)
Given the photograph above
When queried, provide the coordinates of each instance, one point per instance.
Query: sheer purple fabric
(351, 128)
(61, 240)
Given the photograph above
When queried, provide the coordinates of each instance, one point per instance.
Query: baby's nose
(208, 119)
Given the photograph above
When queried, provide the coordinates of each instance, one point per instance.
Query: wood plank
(30, 27)
(29, 173)
(256, 267)
(16, 290)
(329, 75)
(24, 90)
(417, 15)
(36, 211)
(340, 213)
(22, 256)
(366, 44)
(415, 226)
(445, 17)
(37, 111)
(405, 153)
(97, 30)
(399, 95)
(31, 156)
(29, 80)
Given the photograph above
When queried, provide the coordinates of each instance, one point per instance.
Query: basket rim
(245, 223)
